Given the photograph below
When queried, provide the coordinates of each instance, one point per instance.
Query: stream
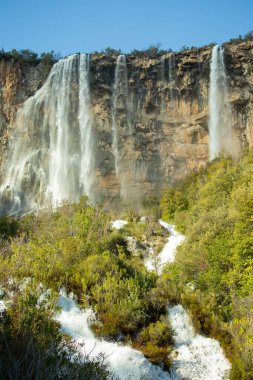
(195, 356)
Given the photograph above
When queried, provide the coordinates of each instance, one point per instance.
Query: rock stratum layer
(159, 111)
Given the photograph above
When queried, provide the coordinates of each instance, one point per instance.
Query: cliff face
(164, 136)
(161, 114)
(18, 81)
(239, 65)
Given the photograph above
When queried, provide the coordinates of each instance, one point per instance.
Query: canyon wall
(158, 108)
(18, 82)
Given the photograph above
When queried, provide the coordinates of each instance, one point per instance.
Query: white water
(197, 357)
(120, 104)
(2, 303)
(85, 124)
(167, 254)
(172, 79)
(123, 361)
(220, 114)
(118, 224)
(50, 150)
(163, 82)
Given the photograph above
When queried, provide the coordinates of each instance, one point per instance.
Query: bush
(211, 273)
(156, 342)
(247, 37)
(31, 346)
(27, 56)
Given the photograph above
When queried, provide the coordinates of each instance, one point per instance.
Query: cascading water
(163, 82)
(50, 151)
(85, 124)
(63, 160)
(172, 79)
(123, 361)
(196, 357)
(119, 107)
(163, 61)
(220, 119)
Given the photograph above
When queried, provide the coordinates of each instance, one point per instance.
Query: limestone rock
(164, 133)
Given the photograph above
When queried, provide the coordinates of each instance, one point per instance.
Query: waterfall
(163, 82)
(85, 124)
(49, 158)
(124, 362)
(220, 119)
(197, 357)
(63, 159)
(163, 76)
(119, 108)
(168, 69)
(172, 66)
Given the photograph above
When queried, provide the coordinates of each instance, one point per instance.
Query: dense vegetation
(247, 37)
(31, 346)
(213, 271)
(27, 56)
(76, 247)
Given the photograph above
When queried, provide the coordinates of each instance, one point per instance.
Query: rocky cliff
(18, 81)
(161, 114)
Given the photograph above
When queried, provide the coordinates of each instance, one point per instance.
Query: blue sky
(68, 26)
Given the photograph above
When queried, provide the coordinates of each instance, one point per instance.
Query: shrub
(212, 270)
(31, 346)
(156, 342)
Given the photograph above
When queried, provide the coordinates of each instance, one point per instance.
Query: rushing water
(196, 357)
(85, 124)
(123, 361)
(120, 105)
(220, 114)
(163, 82)
(172, 79)
(167, 254)
(50, 151)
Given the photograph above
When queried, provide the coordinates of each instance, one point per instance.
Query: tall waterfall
(49, 157)
(85, 124)
(172, 79)
(220, 119)
(119, 107)
(163, 82)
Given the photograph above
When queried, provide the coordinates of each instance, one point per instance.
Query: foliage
(156, 342)
(151, 51)
(31, 346)
(111, 51)
(213, 268)
(151, 207)
(76, 247)
(186, 48)
(27, 56)
(247, 37)
(8, 227)
(173, 201)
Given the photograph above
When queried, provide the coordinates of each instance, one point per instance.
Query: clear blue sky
(68, 26)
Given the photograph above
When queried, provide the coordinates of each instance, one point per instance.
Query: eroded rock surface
(162, 128)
